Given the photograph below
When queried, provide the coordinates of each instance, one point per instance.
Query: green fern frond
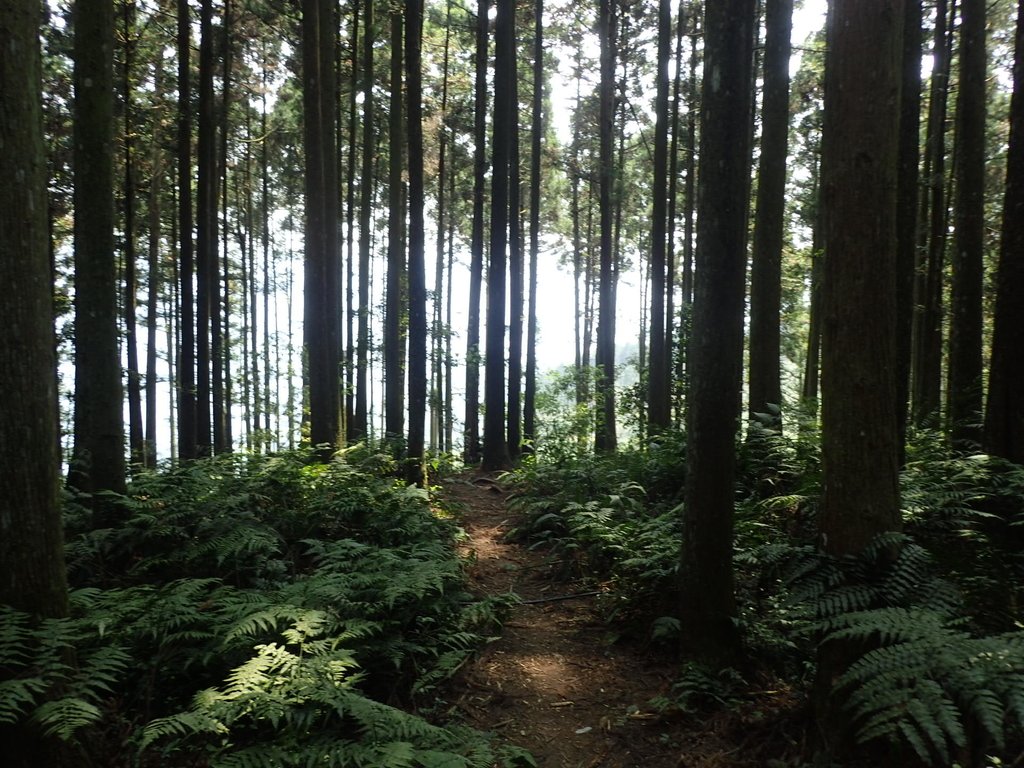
(64, 716)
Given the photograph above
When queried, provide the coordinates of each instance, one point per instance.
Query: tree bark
(495, 451)
(359, 429)
(322, 315)
(716, 345)
(98, 463)
(926, 374)
(206, 229)
(1004, 415)
(860, 438)
(394, 370)
(658, 404)
(134, 377)
(417, 266)
(536, 136)
(964, 395)
(156, 176)
(32, 577)
(186, 369)
(764, 394)
(907, 180)
(471, 432)
(604, 390)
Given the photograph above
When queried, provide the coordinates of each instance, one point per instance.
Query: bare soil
(558, 683)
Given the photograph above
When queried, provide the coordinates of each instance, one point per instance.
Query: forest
(709, 312)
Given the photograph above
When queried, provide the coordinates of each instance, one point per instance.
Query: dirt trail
(554, 683)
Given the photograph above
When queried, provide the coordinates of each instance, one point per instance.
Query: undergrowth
(255, 611)
(934, 611)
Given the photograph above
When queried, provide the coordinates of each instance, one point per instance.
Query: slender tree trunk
(927, 365)
(359, 429)
(219, 285)
(765, 386)
(206, 238)
(658, 402)
(394, 372)
(1004, 415)
(449, 361)
(156, 169)
(536, 137)
(187, 438)
(514, 414)
(441, 329)
(135, 434)
(672, 327)
(577, 242)
(417, 266)
(495, 451)
(604, 437)
(809, 390)
(472, 426)
(352, 430)
(322, 319)
(98, 463)
(716, 345)
(964, 396)
(907, 180)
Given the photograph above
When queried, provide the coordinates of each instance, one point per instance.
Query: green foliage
(969, 511)
(614, 518)
(699, 688)
(56, 672)
(922, 676)
(256, 611)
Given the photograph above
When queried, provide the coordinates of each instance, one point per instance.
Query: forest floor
(561, 683)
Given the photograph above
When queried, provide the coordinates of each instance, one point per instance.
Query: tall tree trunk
(441, 330)
(907, 181)
(604, 435)
(809, 390)
(673, 359)
(495, 452)
(135, 433)
(33, 577)
(98, 463)
(659, 373)
(187, 448)
(156, 170)
(206, 228)
(322, 319)
(690, 186)
(360, 426)
(716, 345)
(471, 436)
(1004, 415)
(394, 371)
(514, 413)
(352, 430)
(536, 137)
(926, 373)
(860, 439)
(964, 396)
(219, 284)
(764, 394)
(575, 180)
(417, 266)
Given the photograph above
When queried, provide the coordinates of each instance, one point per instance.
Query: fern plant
(295, 703)
(926, 679)
(54, 675)
(255, 611)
